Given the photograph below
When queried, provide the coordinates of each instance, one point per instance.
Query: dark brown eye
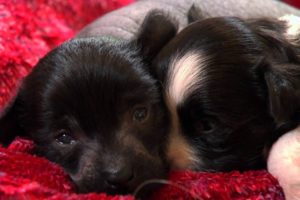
(205, 125)
(64, 138)
(140, 114)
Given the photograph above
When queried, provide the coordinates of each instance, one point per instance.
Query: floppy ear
(282, 71)
(283, 84)
(156, 31)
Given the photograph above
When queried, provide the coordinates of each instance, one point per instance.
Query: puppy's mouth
(108, 189)
(118, 191)
(122, 181)
(136, 186)
(111, 190)
(120, 188)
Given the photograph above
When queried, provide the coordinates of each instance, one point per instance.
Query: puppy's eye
(205, 125)
(64, 138)
(140, 114)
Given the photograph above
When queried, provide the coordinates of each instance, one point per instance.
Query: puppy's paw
(284, 163)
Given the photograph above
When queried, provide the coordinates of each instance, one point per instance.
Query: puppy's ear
(156, 31)
(280, 41)
(194, 14)
(283, 84)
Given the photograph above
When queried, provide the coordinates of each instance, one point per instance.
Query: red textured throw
(251, 185)
(25, 176)
(28, 30)
(295, 3)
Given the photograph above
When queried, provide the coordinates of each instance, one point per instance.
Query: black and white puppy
(92, 106)
(232, 87)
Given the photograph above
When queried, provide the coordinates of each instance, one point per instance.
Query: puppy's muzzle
(118, 176)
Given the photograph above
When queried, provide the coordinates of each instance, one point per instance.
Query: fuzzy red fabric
(25, 176)
(295, 3)
(28, 30)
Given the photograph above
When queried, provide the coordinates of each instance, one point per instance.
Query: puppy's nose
(119, 177)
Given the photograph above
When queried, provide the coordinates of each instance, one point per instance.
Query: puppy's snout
(119, 177)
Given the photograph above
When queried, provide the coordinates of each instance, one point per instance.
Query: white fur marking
(183, 75)
(293, 25)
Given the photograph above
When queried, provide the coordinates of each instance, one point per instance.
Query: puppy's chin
(141, 186)
(82, 188)
(142, 191)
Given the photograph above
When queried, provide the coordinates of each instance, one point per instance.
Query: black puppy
(92, 106)
(232, 87)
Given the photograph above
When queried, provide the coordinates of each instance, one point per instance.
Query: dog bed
(28, 30)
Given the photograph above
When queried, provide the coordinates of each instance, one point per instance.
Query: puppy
(92, 106)
(232, 87)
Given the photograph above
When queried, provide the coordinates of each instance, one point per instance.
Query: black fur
(246, 95)
(92, 106)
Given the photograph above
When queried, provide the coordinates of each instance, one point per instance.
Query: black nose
(119, 177)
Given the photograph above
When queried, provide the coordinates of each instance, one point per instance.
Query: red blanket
(28, 30)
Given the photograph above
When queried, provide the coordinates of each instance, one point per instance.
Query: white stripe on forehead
(183, 75)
